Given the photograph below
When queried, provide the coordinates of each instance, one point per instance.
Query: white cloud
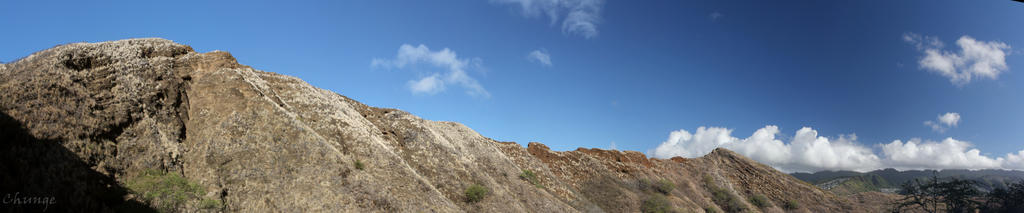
(948, 154)
(975, 58)
(581, 16)
(434, 83)
(950, 118)
(922, 42)
(540, 56)
(715, 16)
(427, 85)
(1015, 161)
(807, 151)
(944, 122)
(682, 143)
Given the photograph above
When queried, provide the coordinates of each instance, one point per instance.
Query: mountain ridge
(109, 112)
(889, 179)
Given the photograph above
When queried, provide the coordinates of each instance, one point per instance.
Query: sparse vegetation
(791, 205)
(656, 203)
(359, 165)
(209, 204)
(644, 184)
(167, 191)
(710, 210)
(664, 186)
(476, 193)
(531, 177)
(727, 201)
(760, 201)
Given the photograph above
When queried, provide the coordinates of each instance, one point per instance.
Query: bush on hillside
(760, 201)
(664, 186)
(791, 205)
(476, 193)
(359, 164)
(656, 203)
(725, 200)
(168, 191)
(529, 176)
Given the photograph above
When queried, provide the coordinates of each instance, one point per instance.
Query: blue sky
(626, 72)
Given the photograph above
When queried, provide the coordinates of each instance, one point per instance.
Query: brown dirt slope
(82, 120)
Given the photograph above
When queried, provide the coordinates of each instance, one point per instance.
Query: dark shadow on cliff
(39, 175)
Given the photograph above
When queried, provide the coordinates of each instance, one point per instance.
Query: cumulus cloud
(984, 59)
(434, 83)
(807, 151)
(948, 154)
(1015, 160)
(581, 16)
(540, 56)
(944, 122)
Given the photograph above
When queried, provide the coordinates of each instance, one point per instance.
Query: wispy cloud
(944, 122)
(581, 16)
(427, 85)
(974, 59)
(540, 56)
(434, 83)
(807, 151)
(715, 16)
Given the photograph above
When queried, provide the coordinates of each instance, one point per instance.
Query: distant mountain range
(889, 180)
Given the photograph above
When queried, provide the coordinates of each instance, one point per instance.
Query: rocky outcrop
(81, 120)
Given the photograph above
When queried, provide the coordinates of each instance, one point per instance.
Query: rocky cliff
(88, 124)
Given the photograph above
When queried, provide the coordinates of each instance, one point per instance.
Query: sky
(798, 85)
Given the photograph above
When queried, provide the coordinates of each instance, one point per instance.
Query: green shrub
(165, 191)
(735, 205)
(710, 210)
(791, 205)
(664, 186)
(529, 176)
(709, 181)
(476, 193)
(722, 197)
(760, 201)
(656, 203)
(359, 165)
(644, 184)
(209, 204)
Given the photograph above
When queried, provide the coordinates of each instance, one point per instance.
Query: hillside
(105, 126)
(888, 180)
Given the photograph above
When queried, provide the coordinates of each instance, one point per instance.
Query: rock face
(81, 120)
